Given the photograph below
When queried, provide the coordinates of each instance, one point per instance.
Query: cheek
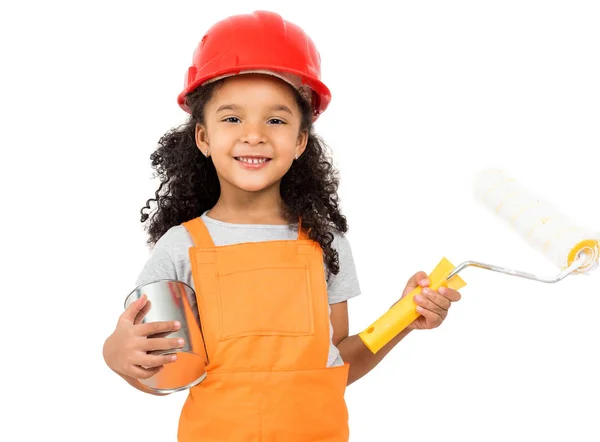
(285, 143)
(221, 142)
(221, 160)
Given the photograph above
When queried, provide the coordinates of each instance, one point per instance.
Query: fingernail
(177, 324)
(442, 290)
(425, 281)
(173, 357)
(180, 341)
(418, 298)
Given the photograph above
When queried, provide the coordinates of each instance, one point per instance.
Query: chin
(253, 186)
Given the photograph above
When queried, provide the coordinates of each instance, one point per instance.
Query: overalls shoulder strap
(199, 233)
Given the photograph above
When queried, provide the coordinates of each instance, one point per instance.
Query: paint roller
(571, 248)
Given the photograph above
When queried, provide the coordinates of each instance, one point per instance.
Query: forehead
(254, 88)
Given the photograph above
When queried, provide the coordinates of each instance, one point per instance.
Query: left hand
(431, 305)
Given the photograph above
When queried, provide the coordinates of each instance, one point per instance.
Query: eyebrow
(281, 107)
(277, 107)
(228, 107)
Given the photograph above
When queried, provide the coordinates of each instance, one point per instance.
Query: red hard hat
(258, 42)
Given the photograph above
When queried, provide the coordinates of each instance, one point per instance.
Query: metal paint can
(172, 300)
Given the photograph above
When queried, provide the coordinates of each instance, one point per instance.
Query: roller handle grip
(404, 312)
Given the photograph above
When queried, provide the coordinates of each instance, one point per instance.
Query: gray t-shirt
(170, 259)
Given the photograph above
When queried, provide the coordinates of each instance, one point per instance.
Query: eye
(231, 120)
(276, 121)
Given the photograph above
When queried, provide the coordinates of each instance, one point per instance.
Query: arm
(352, 349)
(432, 305)
(167, 261)
(129, 379)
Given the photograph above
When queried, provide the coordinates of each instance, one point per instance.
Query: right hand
(125, 350)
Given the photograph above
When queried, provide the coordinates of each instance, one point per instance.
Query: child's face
(252, 130)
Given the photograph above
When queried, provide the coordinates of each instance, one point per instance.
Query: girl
(248, 203)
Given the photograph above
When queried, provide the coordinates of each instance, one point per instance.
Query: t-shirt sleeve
(169, 258)
(344, 285)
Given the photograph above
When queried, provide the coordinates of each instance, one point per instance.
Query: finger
(419, 279)
(134, 309)
(432, 318)
(160, 335)
(153, 328)
(450, 294)
(143, 373)
(142, 313)
(439, 300)
(153, 344)
(429, 305)
(152, 361)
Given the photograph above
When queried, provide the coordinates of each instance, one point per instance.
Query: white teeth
(252, 160)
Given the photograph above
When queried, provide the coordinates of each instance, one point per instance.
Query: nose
(253, 135)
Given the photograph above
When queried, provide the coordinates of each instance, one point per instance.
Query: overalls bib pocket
(273, 300)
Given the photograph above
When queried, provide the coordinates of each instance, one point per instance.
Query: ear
(202, 139)
(301, 142)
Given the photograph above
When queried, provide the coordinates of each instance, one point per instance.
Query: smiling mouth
(253, 160)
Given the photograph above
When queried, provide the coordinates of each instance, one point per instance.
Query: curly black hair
(189, 184)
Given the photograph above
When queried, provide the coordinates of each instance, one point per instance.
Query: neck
(243, 207)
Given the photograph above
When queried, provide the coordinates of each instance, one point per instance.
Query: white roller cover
(539, 223)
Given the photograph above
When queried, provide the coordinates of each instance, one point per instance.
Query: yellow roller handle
(404, 312)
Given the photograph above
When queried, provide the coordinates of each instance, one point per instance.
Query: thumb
(134, 308)
(419, 279)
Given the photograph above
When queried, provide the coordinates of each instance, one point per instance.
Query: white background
(424, 96)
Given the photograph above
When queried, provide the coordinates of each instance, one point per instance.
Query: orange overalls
(265, 318)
